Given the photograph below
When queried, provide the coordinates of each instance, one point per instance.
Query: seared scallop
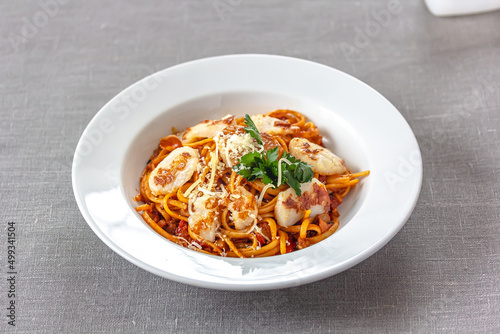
(204, 217)
(322, 160)
(173, 171)
(273, 126)
(243, 208)
(291, 208)
(207, 129)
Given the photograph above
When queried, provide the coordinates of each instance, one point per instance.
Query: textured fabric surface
(62, 61)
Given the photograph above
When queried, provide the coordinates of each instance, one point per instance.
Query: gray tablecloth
(61, 61)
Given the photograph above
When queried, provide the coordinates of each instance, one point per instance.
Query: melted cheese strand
(207, 192)
(225, 193)
(263, 192)
(279, 169)
(253, 227)
(259, 230)
(228, 159)
(191, 188)
(214, 159)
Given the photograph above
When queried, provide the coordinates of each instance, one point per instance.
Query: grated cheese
(195, 245)
(224, 191)
(207, 192)
(236, 146)
(263, 192)
(259, 230)
(191, 188)
(214, 159)
(253, 227)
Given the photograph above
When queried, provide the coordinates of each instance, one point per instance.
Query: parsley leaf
(303, 173)
(252, 129)
(266, 179)
(264, 166)
(292, 181)
(272, 154)
(249, 159)
(245, 172)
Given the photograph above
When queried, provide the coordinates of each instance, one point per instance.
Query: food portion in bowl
(252, 186)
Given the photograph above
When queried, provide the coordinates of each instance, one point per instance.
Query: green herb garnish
(252, 129)
(264, 166)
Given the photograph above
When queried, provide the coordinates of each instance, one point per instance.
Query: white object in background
(461, 7)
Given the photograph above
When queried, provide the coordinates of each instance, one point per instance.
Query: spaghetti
(195, 194)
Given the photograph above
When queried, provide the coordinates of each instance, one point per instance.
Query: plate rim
(241, 286)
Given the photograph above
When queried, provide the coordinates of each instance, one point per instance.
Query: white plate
(358, 123)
